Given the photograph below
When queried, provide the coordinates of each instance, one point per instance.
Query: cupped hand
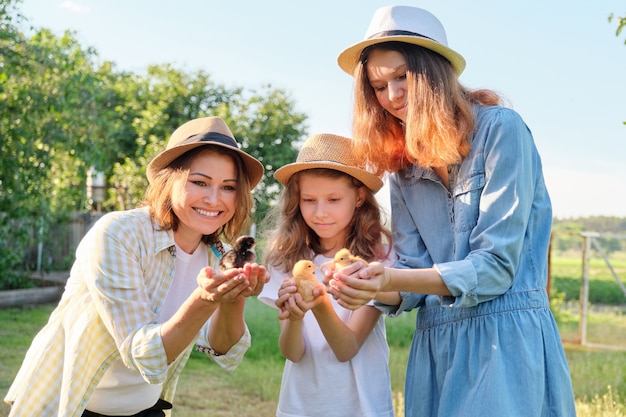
(257, 276)
(329, 268)
(220, 287)
(354, 287)
(290, 303)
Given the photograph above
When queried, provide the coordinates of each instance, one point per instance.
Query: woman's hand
(354, 286)
(232, 284)
(219, 287)
(257, 276)
(330, 267)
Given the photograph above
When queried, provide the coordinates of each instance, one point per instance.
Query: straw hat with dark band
(402, 24)
(328, 151)
(201, 132)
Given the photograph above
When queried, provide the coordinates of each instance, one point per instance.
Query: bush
(600, 291)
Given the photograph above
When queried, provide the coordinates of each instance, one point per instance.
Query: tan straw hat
(328, 151)
(201, 132)
(403, 24)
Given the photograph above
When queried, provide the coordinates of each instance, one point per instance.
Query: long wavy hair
(440, 119)
(289, 239)
(159, 195)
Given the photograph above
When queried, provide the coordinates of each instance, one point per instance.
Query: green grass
(17, 329)
(598, 376)
(567, 274)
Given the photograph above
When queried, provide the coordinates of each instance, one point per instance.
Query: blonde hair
(289, 239)
(440, 119)
(159, 195)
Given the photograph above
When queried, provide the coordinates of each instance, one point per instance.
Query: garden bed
(48, 289)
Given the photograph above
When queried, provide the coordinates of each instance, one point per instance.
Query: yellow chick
(343, 258)
(305, 278)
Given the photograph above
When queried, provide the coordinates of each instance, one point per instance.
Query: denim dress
(493, 347)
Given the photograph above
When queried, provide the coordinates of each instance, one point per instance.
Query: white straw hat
(403, 24)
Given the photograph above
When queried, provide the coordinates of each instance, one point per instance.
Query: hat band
(210, 137)
(322, 161)
(387, 33)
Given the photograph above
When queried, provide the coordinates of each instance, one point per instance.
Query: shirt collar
(164, 239)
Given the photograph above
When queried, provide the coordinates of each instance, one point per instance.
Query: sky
(557, 62)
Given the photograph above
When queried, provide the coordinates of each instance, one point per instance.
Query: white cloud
(74, 6)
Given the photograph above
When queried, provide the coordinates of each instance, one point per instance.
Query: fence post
(549, 278)
(584, 290)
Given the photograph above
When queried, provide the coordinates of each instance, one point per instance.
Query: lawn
(598, 375)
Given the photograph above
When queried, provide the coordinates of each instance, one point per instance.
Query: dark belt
(155, 411)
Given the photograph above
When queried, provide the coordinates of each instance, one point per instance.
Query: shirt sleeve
(231, 359)
(409, 302)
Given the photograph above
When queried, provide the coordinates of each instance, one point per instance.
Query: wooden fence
(590, 240)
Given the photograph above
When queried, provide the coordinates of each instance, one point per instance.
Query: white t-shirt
(319, 384)
(123, 391)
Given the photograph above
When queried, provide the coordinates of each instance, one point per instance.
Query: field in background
(598, 376)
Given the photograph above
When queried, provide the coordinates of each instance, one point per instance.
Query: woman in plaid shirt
(142, 291)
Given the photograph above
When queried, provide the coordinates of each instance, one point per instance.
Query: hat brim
(253, 168)
(368, 179)
(349, 57)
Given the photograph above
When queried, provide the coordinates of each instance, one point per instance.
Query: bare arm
(345, 339)
(391, 298)
(291, 340)
(183, 327)
(222, 294)
(227, 323)
(355, 287)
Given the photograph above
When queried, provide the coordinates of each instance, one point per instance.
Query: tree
(621, 23)
(11, 51)
(62, 111)
(57, 111)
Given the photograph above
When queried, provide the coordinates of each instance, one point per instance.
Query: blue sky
(558, 62)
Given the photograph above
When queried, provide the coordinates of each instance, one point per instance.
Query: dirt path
(206, 395)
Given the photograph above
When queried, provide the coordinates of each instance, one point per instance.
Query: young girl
(471, 225)
(140, 293)
(337, 359)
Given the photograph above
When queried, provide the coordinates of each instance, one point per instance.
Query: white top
(123, 391)
(320, 385)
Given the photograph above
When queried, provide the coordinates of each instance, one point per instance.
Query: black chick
(241, 253)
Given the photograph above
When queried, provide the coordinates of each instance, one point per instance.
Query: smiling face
(206, 199)
(327, 205)
(386, 71)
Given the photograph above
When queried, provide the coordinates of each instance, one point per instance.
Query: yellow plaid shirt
(108, 311)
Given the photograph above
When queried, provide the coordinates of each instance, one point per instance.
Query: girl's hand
(290, 303)
(354, 286)
(286, 302)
